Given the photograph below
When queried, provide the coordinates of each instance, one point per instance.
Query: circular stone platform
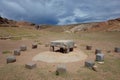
(57, 57)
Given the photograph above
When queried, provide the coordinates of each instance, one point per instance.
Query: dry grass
(17, 33)
(6, 52)
(110, 70)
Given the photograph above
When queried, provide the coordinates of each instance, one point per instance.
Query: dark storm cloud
(60, 11)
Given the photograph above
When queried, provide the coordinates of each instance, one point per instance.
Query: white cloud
(60, 11)
(13, 6)
(77, 13)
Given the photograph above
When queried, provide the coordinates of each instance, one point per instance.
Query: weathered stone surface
(23, 48)
(97, 51)
(61, 69)
(11, 59)
(100, 57)
(17, 52)
(89, 64)
(89, 47)
(30, 65)
(34, 45)
(63, 43)
(66, 45)
(117, 50)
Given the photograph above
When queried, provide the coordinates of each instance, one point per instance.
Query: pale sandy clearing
(57, 57)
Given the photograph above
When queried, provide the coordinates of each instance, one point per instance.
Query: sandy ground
(57, 57)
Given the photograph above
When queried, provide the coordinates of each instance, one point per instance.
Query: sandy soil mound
(57, 57)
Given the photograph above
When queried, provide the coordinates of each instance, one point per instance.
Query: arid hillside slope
(110, 25)
(4, 22)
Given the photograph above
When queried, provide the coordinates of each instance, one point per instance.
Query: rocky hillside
(110, 25)
(4, 22)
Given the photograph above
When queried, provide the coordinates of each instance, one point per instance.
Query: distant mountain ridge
(110, 25)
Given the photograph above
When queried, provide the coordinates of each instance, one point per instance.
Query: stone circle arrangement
(65, 46)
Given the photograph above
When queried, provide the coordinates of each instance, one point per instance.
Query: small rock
(75, 45)
(94, 68)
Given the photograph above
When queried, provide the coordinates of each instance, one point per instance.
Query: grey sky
(60, 11)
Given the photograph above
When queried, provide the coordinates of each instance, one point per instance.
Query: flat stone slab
(62, 43)
(30, 65)
(57, 57)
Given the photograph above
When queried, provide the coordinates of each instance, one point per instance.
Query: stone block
(17, 52)
(97, 51)
(88, 47)
(117, 50)
(11, 59)
(23, 48)
(100, 57)
(34, 45)
(30, 65)
(61, 69)
(89, 64)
